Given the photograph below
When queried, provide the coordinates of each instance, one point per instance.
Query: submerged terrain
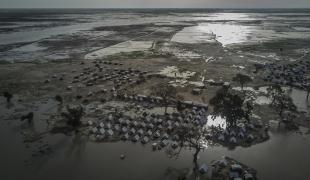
(138, 94)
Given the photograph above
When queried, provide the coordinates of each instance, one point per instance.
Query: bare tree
(242, 79)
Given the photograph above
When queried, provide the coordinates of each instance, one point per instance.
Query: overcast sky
(154, 3)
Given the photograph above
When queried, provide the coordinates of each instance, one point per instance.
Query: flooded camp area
(155, 94)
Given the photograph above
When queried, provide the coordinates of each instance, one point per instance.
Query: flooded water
(298, 96)
(216, 122)
(300, 100)
(284, 156)
(125, 47)
(76, 30)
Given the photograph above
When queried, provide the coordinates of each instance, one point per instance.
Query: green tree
(73, 115)
(197, 138)
(166, 92)
(228, 105)
(280, 100)
(8, 96)
(308, 91)
(242, 79)
(248, 110)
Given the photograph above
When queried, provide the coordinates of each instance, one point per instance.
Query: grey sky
(154, 3)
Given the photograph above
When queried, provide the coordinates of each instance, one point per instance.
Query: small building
(154, 146)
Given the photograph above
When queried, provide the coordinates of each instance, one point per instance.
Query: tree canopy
(242, 79)
(279, 99)
(228, 105)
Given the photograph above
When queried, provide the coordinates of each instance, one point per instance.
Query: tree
(248, 110)
(308, 91)
(28, 117)
(280, 100)
(8, 96)
(73, 115)
(196, 137)
(227, 105)
(59, 99)
(166, 92)
(242, 79)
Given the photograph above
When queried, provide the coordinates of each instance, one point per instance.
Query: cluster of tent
(235, 170)
(292, 74)
(243, 132)
(161, 129)
(97, 74)
(159, 100)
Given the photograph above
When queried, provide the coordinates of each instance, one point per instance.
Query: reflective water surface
(284, 156)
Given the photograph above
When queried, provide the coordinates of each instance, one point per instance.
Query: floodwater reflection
(216, 122)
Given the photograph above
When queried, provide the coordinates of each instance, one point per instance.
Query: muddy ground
(31, 81)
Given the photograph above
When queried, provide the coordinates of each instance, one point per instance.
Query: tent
(124, 129)
(164, 143)
(233, 140)
(203, 168)
(145, 140)
(140, 131)
(110, 132)
(157, 134)
(136, 138)
(132, 131)
(102, 131)
(149, 133)
(125, 137)
(221, 137)
(95, 130)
